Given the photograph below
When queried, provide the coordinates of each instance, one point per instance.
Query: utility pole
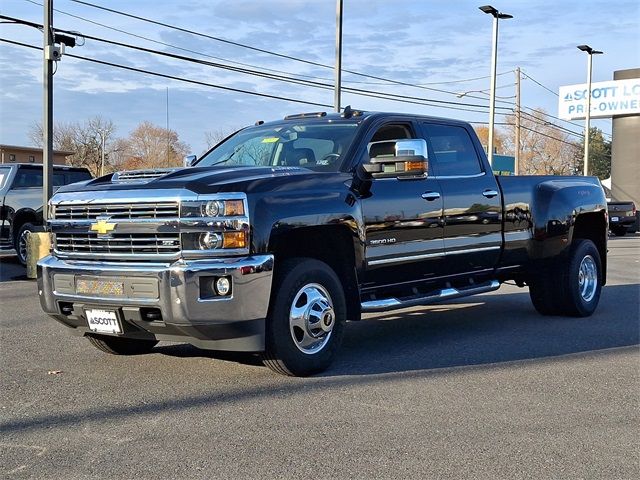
(338, 66)
(516, 166)
(47, 122)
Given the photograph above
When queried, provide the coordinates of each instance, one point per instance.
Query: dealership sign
(615, 97)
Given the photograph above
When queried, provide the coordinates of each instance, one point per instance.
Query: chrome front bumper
(234, 322)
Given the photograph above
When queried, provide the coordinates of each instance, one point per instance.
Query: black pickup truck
(285, 230)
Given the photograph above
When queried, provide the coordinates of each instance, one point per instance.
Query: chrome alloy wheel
(22, 245)
(311, 318)
(588, 278)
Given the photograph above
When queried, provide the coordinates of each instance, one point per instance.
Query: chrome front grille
(143, 210)
(118, 244)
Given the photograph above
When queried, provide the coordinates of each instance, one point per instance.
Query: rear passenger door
(472, 203)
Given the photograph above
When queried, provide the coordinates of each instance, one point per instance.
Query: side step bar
(386, 304)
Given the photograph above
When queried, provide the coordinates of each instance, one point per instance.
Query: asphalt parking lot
(480, 388)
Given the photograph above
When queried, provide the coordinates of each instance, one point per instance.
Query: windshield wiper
(226, 159)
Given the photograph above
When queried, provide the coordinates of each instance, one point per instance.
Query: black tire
(572, 301)
(20, 241)
(543, 292)
(285, 341)
(619, 231)
(559, 291)
(121, 346)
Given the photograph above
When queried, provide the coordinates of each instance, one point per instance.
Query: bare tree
(84, 139)
(214, 137)
(151, 146)
(545, 149)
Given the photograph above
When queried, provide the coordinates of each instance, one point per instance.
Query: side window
(379, 145)
(27, 178)
(58, 179)
(453, 150)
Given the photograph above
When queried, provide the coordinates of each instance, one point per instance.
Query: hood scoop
(140, 175)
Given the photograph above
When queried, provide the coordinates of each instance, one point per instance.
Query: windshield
(317, 146)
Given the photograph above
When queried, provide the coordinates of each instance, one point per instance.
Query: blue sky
(413, 41)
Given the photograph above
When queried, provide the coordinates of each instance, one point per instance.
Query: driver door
(403, 221)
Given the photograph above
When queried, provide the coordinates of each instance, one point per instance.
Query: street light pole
(338, 66)
(587, 122)
(494, 63)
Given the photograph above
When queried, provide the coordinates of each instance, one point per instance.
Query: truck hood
(203, 180)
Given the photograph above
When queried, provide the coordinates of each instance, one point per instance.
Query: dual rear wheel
(571, 286)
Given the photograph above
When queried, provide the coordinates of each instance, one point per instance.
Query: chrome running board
(386, 304)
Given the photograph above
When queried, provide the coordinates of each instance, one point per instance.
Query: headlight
(215, 240)
(213, 208)
(223, 208)
(209, 241)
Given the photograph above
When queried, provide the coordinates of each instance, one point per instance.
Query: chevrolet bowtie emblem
(103, 227)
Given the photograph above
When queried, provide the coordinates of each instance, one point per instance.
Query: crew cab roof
(69, 168)
(358, 115)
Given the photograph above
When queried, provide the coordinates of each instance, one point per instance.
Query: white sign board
(615, 97)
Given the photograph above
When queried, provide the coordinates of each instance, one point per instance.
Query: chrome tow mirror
(403, 159)
(189, 160)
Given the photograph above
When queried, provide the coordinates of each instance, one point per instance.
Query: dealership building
(618, 99)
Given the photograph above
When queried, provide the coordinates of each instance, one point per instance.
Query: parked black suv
(21, 201)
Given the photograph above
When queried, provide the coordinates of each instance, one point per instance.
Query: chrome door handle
(490, 193)
(430, 196)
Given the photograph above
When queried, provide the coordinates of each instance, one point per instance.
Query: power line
(139, 70)
(290, 57)
(541, 122)
(172, 77)
(261, 50)
(235, 62)
(545, 135)
(356, 91)
(159, 42)
(197, 82)
(539, 84)
(566, 121)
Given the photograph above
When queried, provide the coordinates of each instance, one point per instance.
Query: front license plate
(103, 288)
(615, 219)
(103, 321)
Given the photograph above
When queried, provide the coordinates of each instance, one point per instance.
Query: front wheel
(306, 318)
(21, 241)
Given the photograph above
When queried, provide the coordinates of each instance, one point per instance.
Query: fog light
(209, 241)
(223, 286)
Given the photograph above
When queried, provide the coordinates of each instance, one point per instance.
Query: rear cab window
(28, 178)
(77, 176)
(452, 150)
